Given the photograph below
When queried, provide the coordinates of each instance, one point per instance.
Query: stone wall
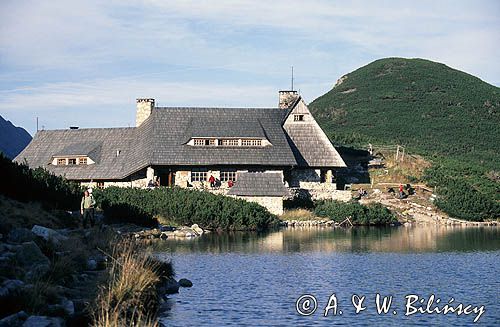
(319, 194)
(135, 180)
(143, 110)
(272, 203)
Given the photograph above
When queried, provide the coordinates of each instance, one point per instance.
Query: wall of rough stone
(319, 194)
(136, 180)
(143, 110)
(273, 203)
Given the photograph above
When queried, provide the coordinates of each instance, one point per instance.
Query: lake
(251, 279)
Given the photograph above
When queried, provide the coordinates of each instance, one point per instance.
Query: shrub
(184, 207)
(372, 214)
(24, 184)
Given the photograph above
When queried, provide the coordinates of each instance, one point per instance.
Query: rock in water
(197, 229)
(183, 282)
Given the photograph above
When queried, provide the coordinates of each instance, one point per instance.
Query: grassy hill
(450, 117)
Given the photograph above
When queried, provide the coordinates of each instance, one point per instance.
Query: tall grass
(130, 298)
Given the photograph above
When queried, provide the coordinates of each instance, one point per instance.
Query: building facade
(185, 147)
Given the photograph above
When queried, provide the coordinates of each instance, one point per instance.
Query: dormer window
(229, 142)
(71, 161)
(250, 142)
(298, 117)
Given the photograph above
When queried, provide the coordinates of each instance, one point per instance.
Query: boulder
(20, 235)
(48, 234)
(31, 259)
(197, 229)
(14, 320)
(183, 282)
(43, 321)
(91, 264)
(169, 286)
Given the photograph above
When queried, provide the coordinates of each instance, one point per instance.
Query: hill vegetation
(448, 116)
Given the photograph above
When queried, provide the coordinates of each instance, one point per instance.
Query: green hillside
(448, 116)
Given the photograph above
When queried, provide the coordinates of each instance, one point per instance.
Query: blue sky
(84, 62)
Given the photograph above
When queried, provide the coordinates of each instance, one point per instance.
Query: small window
(72, 161)
(210, 142)
(100, 185)
(82, 161)
(251, 142)
(227, 175)
(230, 142)
(61, 162)
(199, 142)
(298, 117)
(198, 175)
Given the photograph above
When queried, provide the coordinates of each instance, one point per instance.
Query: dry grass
(19, 214)
(298, 214)
(130, 297)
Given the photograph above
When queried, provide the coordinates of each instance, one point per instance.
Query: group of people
(215, 183)
(401, 191)
(154, 183)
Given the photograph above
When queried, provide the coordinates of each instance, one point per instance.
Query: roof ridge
(235, 108)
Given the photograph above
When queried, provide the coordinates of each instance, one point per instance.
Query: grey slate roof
(161, 140)
(172, 130)
(225, 127)
(310, 149)
(259, 184)
(46, 144)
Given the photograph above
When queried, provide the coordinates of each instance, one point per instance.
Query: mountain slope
(12, 139)
(444, 114)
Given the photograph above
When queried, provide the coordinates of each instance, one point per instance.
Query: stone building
(183, 147)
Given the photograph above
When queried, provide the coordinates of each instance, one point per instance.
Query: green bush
(185, 207)
(373, 214)
(24, 184)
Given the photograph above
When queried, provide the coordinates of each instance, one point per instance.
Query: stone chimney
(144, 109)
(287, 98)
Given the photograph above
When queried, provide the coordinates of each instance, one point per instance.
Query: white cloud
(94, 54)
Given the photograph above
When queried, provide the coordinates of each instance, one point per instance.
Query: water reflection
(360, 239)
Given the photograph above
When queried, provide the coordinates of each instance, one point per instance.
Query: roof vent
(118, 152)
(73, 127)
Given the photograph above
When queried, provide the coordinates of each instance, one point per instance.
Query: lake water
(250, 279)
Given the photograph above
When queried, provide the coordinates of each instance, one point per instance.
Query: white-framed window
(199, 175)
(230, 142)
(100, 185)
(82, 161)
(250, 142)
(72, 161)
(199, 142)
(227, 175)
(298, 117)
(61, 161)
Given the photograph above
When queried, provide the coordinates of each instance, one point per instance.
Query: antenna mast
(292, 79)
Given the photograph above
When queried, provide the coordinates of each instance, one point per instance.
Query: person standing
(211, 180)
(87, 209)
